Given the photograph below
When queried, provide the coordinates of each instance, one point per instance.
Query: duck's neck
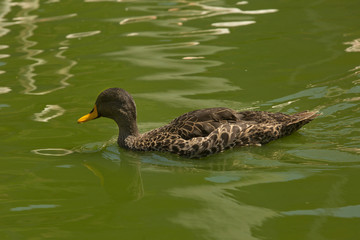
(127, 132)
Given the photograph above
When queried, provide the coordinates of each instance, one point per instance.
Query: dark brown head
(114, 103)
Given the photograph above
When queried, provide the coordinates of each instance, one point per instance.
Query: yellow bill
(92, 115)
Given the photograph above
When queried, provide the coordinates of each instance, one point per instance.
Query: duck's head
(114, 103)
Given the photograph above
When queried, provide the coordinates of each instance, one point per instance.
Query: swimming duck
(198, 133)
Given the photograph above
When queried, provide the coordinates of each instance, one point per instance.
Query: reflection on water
(169, 58)
(173, 67)
(30, 207)
(55, 152)
(4, 9)
(182, 50)
(4, 90)
(56, 18)
(355, 46)
(337, 98)
(340, 212)
(27, 74)
(28, 22)
(49, 112)
(232, 24)
(137, 19)
(82, 34)
(165, 15)
(220, 214)
(120, 177)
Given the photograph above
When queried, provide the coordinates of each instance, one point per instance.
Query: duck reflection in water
(120, 178)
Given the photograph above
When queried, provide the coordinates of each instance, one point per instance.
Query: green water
(62, 180)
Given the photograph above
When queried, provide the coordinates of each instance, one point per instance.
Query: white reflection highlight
(187, 11)
(56, 18)
(27, 73)
(281, 105)
(65, 71)
(105, 1)
(233, 24)
(210, 11)
(49, 112)
(55, 152)
(262, 11)
(207, 32)
(83, 34)
(4, 90)
(192, 58)
(5, 8)
(132, 34)
(137, 19)
(28, 23)
(355, 46)
(52, 1)
(242, 3)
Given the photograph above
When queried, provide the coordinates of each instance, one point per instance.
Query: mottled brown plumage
(198, 133)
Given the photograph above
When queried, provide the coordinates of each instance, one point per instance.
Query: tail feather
(303, 116)
(298, 120)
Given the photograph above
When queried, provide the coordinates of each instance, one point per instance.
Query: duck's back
(201, 123)
(205, 131)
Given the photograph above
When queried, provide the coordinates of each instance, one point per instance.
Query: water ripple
(232, 24)
(137, 19)
(181, 61)
(355, 46)
(32, 207)
(174, 67)
(211, 11)
(5, 90)
(55, 152)
(49, 112)
(206, 32)
(242, 3)
(56, 18)
(212, 220)
(352, 211)
(28, 75)
(83, 34)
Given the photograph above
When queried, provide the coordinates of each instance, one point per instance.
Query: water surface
(61, 180)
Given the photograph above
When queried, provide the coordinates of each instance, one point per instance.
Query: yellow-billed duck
(198, 133)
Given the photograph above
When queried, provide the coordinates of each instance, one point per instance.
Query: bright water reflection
(65, 181)
(29, 23)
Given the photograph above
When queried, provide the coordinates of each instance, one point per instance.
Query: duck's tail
(298, 120)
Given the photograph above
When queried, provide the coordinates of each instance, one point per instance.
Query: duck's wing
(261, 117)
(264, 117)
(201, 123)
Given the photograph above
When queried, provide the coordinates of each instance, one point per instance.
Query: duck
(198, 133)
